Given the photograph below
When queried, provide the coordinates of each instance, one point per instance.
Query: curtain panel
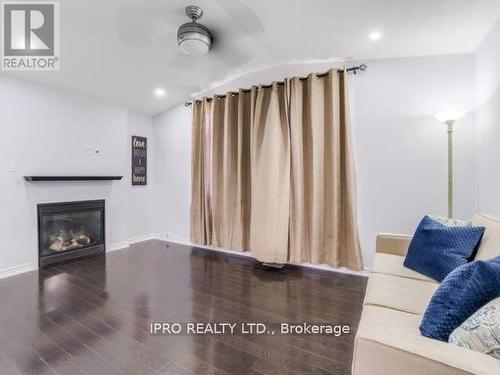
(270, 163)
(273, 173)
(201, 212)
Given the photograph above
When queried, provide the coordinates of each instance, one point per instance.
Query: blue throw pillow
(436, 249)
(460, 295)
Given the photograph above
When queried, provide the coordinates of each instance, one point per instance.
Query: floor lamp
(449, 116)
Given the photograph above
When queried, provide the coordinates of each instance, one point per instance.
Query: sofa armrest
(382, 350)
(394, 244)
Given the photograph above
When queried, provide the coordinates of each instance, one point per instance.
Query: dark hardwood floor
(93, 316)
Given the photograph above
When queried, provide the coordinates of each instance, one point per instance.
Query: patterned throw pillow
(461, 294)
(450, 222)
(436, 250)
(481, 332)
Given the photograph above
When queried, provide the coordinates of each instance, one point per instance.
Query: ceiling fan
(155, 25)
(193, 38)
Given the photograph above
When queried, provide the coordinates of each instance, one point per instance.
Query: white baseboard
(145, 237)
(16, 270)
(117, 246)
(184, 241)
(324, 267)
(125, 244)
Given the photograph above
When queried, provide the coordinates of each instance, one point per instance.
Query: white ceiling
(121, 50)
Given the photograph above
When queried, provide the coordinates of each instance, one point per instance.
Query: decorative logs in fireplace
(69, 230)
(64, 241)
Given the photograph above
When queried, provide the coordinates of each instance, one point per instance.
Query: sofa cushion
(394, 244)
(393, 265)
(437, 249)
(462, 293)
(490, 244)
(399, 293)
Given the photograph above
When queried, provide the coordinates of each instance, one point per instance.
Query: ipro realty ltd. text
(247, 328)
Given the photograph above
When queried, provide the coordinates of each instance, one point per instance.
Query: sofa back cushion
(489, 247)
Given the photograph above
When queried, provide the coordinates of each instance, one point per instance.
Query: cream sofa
(388, 340)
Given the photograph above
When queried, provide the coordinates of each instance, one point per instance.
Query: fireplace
(69, 230)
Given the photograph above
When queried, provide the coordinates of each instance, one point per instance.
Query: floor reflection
(68, 304)
(61, 289)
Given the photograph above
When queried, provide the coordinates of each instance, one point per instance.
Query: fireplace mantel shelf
(71, 178)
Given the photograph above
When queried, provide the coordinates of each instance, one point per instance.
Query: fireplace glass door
(72, 227)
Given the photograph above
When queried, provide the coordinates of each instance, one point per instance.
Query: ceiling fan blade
(230, 56)
(250, 24)
(245, 17)
(139, 25)
(182, 60)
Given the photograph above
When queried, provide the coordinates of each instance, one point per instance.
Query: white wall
(400, 149)
(487, 72)
(172, 170)
(46, 131)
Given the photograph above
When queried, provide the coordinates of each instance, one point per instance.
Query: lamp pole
(449, 116)
(450, 167)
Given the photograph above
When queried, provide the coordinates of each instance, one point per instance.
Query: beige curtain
(273, 173)
(201, 213)
(231, 171)
(323, 225)
(270, 160)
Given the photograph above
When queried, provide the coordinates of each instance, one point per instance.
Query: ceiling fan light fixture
(193, 38)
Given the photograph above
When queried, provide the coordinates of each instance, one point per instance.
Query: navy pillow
(436, 249)
(461, 294)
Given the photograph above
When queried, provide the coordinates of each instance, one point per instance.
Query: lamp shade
(449, 114)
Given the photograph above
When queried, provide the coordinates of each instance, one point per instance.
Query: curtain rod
(353, 69)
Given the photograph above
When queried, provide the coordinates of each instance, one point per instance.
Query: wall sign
(139, 160)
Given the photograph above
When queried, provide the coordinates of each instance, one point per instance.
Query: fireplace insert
(69, 230)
